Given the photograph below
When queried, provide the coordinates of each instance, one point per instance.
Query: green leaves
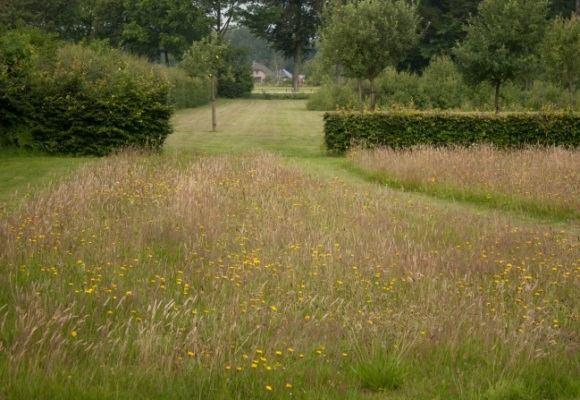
(85, 100)
(502, 40)
(204, 57)
(561, 52)
(213, 56)
(402, 130)
(367, 36)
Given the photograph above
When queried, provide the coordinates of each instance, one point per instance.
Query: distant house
(285, 75)
(260, 72)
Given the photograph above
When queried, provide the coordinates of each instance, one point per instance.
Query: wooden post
(373, 95)
(497, 85)
(213, 100)
(361, 100)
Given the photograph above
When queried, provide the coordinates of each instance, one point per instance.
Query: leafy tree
(289, 25)
(258, 49)
(501, 41)
(58, 16)
(204, 59)
(107, 20)
(442, 28)
(561, 53)
(222, 13)
(162, 26)
(564, 8)
(367, 36)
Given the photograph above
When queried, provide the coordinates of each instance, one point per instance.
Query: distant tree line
(163, 30)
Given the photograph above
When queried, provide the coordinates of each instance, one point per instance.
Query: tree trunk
(166, 57)
(218, 27)
(497, 87)
(297, 64)
(213, 101)
(578, 8)
(361, 99)
(373, 95)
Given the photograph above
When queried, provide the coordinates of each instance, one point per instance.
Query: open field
(245, 264)
(540, 180)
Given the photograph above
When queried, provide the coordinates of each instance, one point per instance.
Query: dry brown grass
(548, 176)
(160, 267)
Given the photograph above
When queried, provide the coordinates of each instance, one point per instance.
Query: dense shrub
(407, 129)
(186, 91)
(22, 53)
(441, 86)
(333, 96)
(400, 89)
(79, 99)
(235, 76)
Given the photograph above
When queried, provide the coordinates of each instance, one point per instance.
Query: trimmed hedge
(84, 100)
(407, 129)
(280, 96)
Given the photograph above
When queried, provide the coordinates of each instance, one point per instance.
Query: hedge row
(62, 98)
(280, 96)
(406, 129)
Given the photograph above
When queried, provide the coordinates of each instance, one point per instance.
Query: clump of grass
(507, 390)
(381, 372)
(543, 181)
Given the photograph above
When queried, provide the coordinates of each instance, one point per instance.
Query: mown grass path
(288, 129)
(21, 173)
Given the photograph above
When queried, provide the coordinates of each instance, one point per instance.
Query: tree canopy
(367, 36)
(501, 41)
(289, 25)
(561, 53)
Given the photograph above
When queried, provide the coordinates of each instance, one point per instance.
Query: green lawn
(22, 172)
(284, 127)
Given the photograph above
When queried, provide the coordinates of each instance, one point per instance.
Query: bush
(398, 89)
(22, 52)
(407, 129)
(235, 76)
(81, 99)
(185, 91)
(333, 97)
(441, 84)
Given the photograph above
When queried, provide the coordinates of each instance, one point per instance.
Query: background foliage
(79, 99)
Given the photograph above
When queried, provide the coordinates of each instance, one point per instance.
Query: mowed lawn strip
(23, 172)
(287, 128)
